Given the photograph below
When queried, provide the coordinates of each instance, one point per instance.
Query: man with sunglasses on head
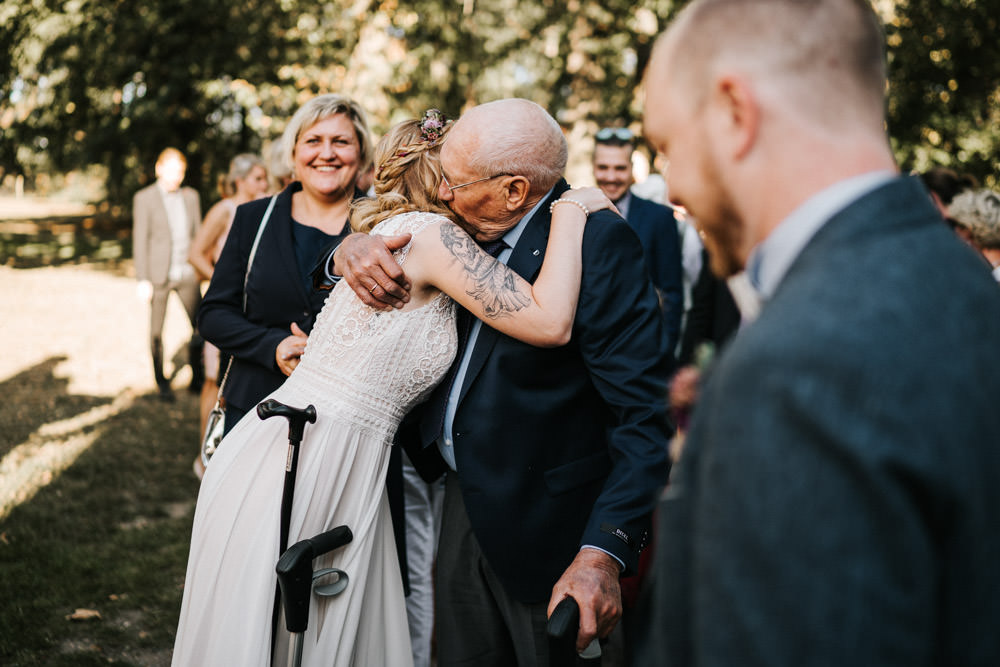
(653, 223)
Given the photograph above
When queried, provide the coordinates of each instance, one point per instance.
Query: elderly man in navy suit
(653, 223)
(836, 501)
(552, 457)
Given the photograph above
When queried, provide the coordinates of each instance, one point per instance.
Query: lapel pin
(535, 252)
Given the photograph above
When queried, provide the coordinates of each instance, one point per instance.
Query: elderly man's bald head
(512, 136)
(827, 57)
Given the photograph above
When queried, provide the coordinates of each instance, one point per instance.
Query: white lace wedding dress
(363, 370)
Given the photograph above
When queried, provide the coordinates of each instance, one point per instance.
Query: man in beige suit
(165, 218)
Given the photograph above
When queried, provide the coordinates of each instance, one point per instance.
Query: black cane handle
(297, 417)
(295, 573)
(564, 622)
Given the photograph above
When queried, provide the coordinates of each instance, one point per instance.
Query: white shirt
(180, 241)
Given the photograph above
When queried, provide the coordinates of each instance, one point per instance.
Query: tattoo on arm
(493, 284)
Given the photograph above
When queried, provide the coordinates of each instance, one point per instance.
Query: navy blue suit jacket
(661, 248)
(276, 297)
(562, 447)
(836, 502)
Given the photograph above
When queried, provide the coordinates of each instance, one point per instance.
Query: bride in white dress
(364, 370)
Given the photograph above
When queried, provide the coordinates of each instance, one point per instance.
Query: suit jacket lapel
(635, 210)
(525, 260)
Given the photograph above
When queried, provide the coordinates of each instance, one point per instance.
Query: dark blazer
(151, 238)
(276, 297)
(557, 448)
(661, 247)
(713, 316)
(837, 499)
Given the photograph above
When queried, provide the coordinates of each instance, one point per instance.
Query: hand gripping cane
(562, 628)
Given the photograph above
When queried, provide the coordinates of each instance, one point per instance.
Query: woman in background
(265, 329)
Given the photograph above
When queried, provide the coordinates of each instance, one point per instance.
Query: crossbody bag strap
(253, 248)
(246, 278)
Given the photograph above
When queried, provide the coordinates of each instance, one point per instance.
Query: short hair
(979, 212)
(946, 183)
(837, 45)
(320, 108)
(239, 168)
(171, 153)
(528, 143)
(407, 177)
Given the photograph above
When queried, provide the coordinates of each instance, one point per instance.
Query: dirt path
(92, 319)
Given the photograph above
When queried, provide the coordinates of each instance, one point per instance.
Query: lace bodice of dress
(379, 363)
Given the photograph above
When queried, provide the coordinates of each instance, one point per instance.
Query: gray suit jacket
(838, 500)
(151, 242)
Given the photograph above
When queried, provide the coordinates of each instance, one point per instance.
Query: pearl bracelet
(586, 211)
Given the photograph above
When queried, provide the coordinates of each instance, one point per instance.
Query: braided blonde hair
(407, 176)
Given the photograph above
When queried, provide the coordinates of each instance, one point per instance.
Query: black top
(309, 241)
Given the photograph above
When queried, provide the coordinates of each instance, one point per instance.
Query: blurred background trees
(109, 83)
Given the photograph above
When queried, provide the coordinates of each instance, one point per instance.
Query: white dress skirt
(363, 370)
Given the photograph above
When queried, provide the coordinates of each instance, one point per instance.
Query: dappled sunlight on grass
(50, 450)
(96, 488)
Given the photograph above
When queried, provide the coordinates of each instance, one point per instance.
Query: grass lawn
(109, 534)
(96, 489)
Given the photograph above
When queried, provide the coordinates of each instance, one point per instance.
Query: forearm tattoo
(494, 285)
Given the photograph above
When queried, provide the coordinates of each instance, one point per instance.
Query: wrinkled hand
(592, 580)
(591, 197)
(289, 351)
(366, 263)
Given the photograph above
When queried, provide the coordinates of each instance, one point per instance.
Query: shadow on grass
(109, 534)
(34, 397)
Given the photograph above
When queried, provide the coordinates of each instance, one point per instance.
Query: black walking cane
(297, 418)
(562, 628)
(295, 581)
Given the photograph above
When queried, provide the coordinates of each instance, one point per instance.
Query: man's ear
(517, 189)
(740, 115)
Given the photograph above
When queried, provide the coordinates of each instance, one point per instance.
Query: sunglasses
(609, 133)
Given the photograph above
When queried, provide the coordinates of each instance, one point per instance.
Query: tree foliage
(112, 82)
(944, 104)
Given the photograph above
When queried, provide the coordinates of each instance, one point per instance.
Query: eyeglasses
(452, 188)
(618, 133)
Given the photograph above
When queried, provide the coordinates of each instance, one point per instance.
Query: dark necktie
(463, 326)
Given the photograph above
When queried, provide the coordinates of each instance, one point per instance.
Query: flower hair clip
(432, 126)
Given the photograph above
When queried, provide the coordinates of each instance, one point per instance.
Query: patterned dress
(363, 370)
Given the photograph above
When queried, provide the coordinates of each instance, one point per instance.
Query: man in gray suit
(165, 217)
(837, 499)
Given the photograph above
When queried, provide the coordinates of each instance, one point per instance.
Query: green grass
(110, 533)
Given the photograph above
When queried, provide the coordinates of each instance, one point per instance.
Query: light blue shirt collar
(624, 204)
(770, 260)
(513, 234)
